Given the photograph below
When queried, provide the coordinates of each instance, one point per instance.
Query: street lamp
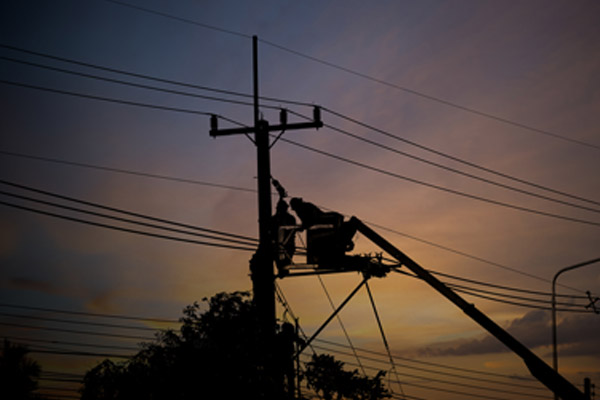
(554, 354)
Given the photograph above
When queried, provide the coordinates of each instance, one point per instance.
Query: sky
(415, 96)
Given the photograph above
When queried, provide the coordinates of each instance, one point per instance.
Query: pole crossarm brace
(332, 316)
(538, 368)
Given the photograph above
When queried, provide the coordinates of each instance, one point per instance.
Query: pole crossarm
(215, 131)
(538, 368)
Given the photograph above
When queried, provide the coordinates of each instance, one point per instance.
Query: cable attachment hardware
(593, 301)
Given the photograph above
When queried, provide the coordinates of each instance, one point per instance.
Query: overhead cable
(235, 238)
(441, 188)
(122, 229)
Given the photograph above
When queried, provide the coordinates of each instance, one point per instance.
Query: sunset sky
(415, 94)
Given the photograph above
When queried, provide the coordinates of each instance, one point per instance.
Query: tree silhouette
(18, 373)
(216, 352)
(327, 376)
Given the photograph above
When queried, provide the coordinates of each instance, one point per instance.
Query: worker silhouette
(284, 236)
(328, 236)
(287, 339)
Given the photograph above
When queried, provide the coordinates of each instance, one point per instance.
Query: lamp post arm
(581, 264)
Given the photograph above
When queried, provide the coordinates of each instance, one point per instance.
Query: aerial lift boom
(538, 368)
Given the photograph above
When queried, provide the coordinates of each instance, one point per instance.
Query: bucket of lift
(324, 244)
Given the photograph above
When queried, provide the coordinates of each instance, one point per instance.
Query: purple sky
(415, 70)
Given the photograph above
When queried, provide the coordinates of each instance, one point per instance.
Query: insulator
(317, 114)
(283, 116)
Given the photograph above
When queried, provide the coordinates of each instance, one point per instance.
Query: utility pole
(261, 264)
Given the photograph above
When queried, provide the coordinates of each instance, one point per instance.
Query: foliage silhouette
(215, 353)
(327, 376)
(18, 373)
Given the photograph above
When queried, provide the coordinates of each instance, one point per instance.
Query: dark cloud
(577, 335)
(37, 285)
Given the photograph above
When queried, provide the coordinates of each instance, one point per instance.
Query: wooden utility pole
(261, 264)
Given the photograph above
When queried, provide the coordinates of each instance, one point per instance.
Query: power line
(126, 220)
(456, 159)
(364, 76)
(130, 213)
(180, 19)
(107, 99)
(125, 171)
(37, 327)
(64, 321)
(432, 364)
(478, 293)
(90, 314)
(383, 337)
(373, 79)
(120, 101)
(434, 372)
(79, 353)
(126, 83)
(345, 132)
(144, 76)
(459, 172)
(438, 187)
(122, 229)
(534, 292)
(223, 236)
(429, 386)
(470, 256)
(242, 189)
(339, 319)
(434, 98)
(69, 343)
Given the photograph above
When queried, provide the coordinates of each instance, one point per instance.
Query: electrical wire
(465, 174)
(345, 132)
(106, 99)
(446, 390)
(126, 220)
(470, 256)
(436, 99)
(223, 233)
(339, 158)
(127, 83)
(414, 369)
(122, 229)
(147, 77)
(125, 171)
(364, 76)
(232, 238)
(456, 159)
(65, 321)
(499, 297)
(383, 337)
(25, 340)
(438, 187)
(454, 374)
(104, 334)
(339, 319)
(520, 290)
(188, 181)
(90, 314)
(180, 19)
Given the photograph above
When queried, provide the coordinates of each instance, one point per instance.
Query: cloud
(103, 302)
(575, 337)
(37, 285)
